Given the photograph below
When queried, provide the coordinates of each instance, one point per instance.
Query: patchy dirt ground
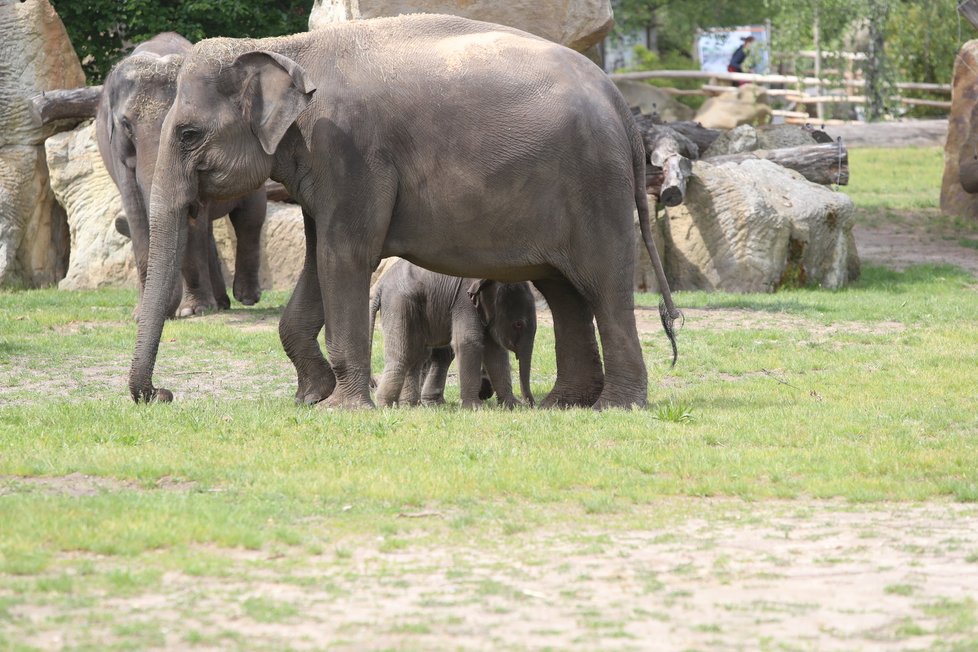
(722, 575)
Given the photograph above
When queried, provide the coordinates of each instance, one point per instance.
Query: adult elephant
(470, 149)
(136, 95)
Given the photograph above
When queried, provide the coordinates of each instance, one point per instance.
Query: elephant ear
(274, 91)
(479, 298)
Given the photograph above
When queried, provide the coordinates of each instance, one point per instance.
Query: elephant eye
(189, 136)
(126, 126)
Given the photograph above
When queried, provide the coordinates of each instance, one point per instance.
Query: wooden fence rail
(795, 94)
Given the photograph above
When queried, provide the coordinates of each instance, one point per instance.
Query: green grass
(900, 179)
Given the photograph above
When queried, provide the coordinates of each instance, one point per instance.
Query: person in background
(737, 58)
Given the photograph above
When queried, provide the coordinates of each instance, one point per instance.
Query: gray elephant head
(508, 310)
(137, 94)
(968, 156)
(217, 142)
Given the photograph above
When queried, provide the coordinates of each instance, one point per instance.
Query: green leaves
(103, 31)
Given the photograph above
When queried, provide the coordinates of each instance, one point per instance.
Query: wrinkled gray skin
(482, 320)
(968, 157)
(136, 96)
(471, 149)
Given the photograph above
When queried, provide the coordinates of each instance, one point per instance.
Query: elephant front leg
(299, 328)
(580, 378)
(247, 219)
(345, 287)
(198, 294)
(496, 361)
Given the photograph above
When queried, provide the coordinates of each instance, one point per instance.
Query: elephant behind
(136, 95)
(481, 319)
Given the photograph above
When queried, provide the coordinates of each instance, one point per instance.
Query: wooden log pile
(671, 147)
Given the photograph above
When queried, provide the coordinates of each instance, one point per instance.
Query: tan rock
(578, 24)
(35, 56)
(745, 106)
(964, 97)
(651, 99)
(754, 226)
(33, 245)
(100, 256)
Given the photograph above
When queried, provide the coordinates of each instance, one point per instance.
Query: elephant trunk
(173, 202)
(524, 355)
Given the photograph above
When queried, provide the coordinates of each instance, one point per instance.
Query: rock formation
(578, 24)
(964, 97)
(35, 56)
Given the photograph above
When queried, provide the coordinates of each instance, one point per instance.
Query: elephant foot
(223, 302)
(621, 398)
(432, 400)
(509, 403)
(152, 395)
(571, 397)
(313, 391)
(339, 401)
(247, 294)
(192, 306)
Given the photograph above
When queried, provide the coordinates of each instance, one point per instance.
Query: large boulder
(578, 24)
(755, 226)
(35, 56)
(100, 256)
(964, 98)
(652, 99)
(746, 105)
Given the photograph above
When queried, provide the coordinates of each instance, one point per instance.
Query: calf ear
(274, 91)
(480, 300)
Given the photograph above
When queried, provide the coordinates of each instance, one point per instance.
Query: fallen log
(71, 103)
(825, 164)
(669, 154)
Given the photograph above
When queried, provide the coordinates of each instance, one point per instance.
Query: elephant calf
(423, 311)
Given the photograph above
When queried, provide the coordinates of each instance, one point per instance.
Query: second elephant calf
(482, 320)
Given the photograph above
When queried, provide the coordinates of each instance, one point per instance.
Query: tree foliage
(103, 31)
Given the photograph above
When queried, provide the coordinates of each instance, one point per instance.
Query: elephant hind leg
(405, 353)
(580, 379)
(433, 392)
(299, 328)
(608, 291)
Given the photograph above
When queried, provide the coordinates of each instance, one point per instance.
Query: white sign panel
(715, 47)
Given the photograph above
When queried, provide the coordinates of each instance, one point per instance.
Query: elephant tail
(668, 312)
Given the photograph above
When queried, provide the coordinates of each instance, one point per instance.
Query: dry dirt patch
(721, 574)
